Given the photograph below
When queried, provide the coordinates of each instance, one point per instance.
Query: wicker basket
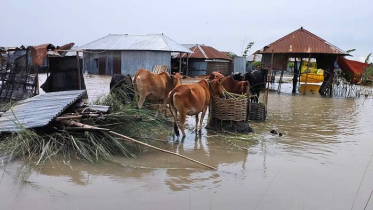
(258, 112)
(229, 109)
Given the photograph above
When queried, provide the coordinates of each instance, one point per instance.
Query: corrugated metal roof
(153, 42)
(38, 111)
(206, 52)
(302, 41)
(73, 52)
(38, 53)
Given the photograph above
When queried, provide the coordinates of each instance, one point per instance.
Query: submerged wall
(124, 62)
(135, 60)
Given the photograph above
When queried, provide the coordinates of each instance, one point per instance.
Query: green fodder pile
(58, 140)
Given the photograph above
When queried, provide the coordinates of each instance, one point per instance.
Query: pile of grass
(89, 146)
(38, 146)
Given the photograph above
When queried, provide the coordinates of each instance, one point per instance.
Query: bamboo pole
(307, 72)
(280, 81)
(334, 76)
(78, 70)
(162, 150)
(74, 123)
(72, 117)
(180, 63)
(187, 62)
(295, 76)
(268, 78)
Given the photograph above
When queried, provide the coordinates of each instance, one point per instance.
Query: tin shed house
(125, 54)
(205, 60)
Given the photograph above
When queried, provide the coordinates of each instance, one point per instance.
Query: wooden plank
(102, 63)
(307, 71)
(117, 62)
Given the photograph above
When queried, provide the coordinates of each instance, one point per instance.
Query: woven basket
(229, 109)
(258, 112)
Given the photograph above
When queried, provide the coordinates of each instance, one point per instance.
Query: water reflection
(318, 164)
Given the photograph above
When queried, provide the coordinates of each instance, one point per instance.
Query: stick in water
(74, 123)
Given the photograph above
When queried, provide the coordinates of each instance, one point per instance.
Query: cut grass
(56, 140)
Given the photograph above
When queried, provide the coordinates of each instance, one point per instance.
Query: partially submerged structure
(205, 60)
(302, 44)
(125, 54)
(65, 70)
(19, 79)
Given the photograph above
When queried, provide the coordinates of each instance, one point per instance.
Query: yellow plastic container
(315, 76)
(314, 79)
(311, 88)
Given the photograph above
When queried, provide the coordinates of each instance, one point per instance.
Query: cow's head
(215, 75)
(217, 87)
(176, 79)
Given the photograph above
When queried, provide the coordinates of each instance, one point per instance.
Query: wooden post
(269, 77)
(78, 70)
(187, 71)
(180, 64)
(47, 65)
(27, 49)
(334, 74)
(300, 69)
(37, 90)
(248, 104)
(280, 81)
(295, 76)
(9, 61)
(307, 72)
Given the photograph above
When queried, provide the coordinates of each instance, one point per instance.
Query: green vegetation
(248, 47)
(257, 63)
(351, 50)
(59, 140)
(291, 65)
(368, 75)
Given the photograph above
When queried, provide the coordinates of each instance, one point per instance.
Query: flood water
(318, 164)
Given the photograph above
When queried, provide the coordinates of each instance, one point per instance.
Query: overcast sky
(225, 25)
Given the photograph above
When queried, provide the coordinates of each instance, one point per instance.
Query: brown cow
(191, 99)
(215, 74)
(154, 87)
(232, 86)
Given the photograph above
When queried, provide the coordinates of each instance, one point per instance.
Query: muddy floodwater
(319, 163)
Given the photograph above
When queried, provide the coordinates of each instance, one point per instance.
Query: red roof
(302, 41)
(206, 52)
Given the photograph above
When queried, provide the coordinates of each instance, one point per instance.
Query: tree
(248, 47)
(256, 64)
(351, 50)
(368, 58)
(368, 72)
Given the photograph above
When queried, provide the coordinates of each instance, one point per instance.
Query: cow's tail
(135, 90)
(173, 112)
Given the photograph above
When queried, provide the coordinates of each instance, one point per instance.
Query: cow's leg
(165, 99)
(196, 122)
(136, 92)
(202, 116)
(141, 100)
(182, 122)
(174, 114)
